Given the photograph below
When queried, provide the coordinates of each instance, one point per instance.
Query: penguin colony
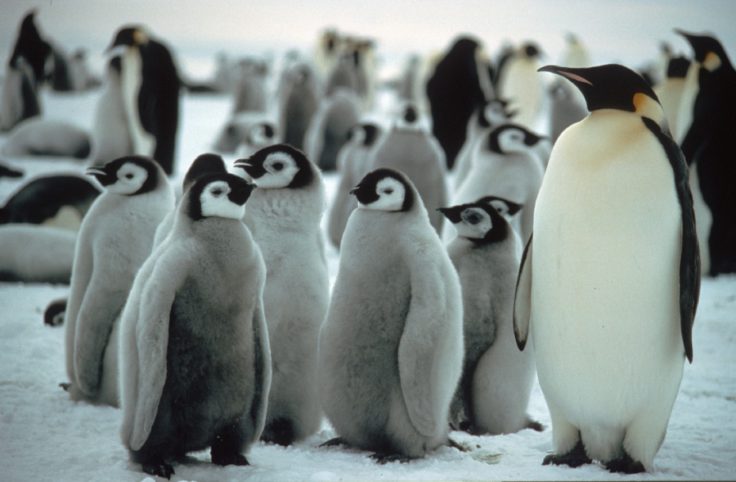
(210, 320)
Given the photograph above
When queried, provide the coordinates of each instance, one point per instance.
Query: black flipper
(523, 297)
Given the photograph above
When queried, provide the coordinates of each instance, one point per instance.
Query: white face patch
(512, 140)
(280, 171)
(475, 223)
(391, 195)
(130, 178)
(215, 202)
(502, 208)
(258, 136)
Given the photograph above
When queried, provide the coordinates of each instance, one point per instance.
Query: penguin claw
(161, 469)
(574, 458)
(625, 465)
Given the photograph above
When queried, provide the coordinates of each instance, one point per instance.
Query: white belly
(605, 317)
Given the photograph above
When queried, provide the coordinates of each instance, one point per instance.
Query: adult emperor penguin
(454, 91)
(391, 347)
(195, 360)
(150, 86)
(670, 90)
(708, 142)
(352, 164)
(520, 84)
(410, 148)
(114, 240)
(505, 164)
(497, 378)
(284, 215)
(610, 318)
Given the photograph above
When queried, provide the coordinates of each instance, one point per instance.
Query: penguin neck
(291, 209)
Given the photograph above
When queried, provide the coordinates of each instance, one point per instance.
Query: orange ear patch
(139, 37)
(712, 61)
(645, 106)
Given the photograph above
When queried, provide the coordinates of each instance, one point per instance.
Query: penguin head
(261, 134)
(278, 166)
(128, 36)
(494, 112)
(512, 138)
(612, 86)
(364, 134)
(221, 195)
(128, 176)
(478, 222)
(504, 207)
(677, 67)
(203, 164)
(384, 190)
(530, 50)
(708, 50)
(408, 117)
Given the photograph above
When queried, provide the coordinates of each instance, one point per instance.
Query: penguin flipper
(523, 297)
(690, 254)
(262, 371)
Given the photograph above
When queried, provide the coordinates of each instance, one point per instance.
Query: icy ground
(44, 436)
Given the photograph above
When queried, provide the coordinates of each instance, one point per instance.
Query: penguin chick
(497, 379)
(612, 318)
(195, 360)
(284, 215)
(391, 347)
(114, 239)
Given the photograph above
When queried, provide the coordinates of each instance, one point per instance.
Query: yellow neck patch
(712, 61)
(647, 107)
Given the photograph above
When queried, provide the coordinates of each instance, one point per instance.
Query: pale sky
(627, 31)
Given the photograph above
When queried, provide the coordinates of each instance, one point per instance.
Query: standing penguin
(413, 150)
(352, 164)
(497, 378)
(284, 215)
(611, 317)
(454, 91)
(115, 238)
(708, 142)
(298, 101)
(391, 347)
(150, 87)
(505, 164)
(520, 84)
(329, 128)
(195, 360)
(670, 90)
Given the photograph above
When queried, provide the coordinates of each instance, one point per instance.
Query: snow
(46, 436)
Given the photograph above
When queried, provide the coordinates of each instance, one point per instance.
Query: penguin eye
(217, 192)
(129, 175)
(278, 166)
(388, 190)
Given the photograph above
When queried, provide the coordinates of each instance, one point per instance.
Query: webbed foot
(574, 458)
(333, 442)
(160, 469)
(625, 465)
(384, 458)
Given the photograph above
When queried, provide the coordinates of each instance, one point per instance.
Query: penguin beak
(101, 175)
(572, 74)
(95, 171)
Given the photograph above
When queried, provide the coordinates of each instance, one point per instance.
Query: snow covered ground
(45, 436)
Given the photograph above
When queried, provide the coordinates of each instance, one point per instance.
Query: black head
(366, 133)
(677, 67)
(530, 50)
(504, 207)
(479, 222)
(609, 86)
(464, 46)
(129, 176)
(218, 195)
(508, 138)
(494, 111)
(130, 36)
(707, 50)
(385, 190)
(31, 46)
(203, 164)
(278, 166)
(410, 114)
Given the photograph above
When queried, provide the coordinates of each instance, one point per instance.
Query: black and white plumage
(391, 347)
(284, 215)
(150, 86)
(497, 378)
(610, 318)
(353, 162)
(114, 240)
(195, 359)
(519, 84)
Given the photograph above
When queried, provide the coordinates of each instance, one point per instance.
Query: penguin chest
(606, 250)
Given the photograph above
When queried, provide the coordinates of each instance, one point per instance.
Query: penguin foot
(625, 465)
(55, 311)
(279, 431)
(65, 386)
(159, 469)
(229, 459)
(384, 458)
(333, 442)
(574, 458)
(534, 425)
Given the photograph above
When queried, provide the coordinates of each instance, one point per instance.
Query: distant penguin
(413, 150)
(352, 164)
(504, 164)
(59, 200)
(410, 85)
(39, 136)
(343, 75)
(575, 53)
(6, 170)
(19, 100)
(327, 50)
(115, 238)
(150, 86)
(298, 102)
(32, 47)
(202, 165)
(250, 86)
(195, 359)
(521, 86)
(669, 91)
(497, 378)
(329, 128)
(245, 133)
(59, 77)
(487, 116)
(111, 136)
(284, 215)
(610, 317)
(708, 143)
(454, 91)
(566, 107)
(54, 313)
(36, 254)
(391, 347)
